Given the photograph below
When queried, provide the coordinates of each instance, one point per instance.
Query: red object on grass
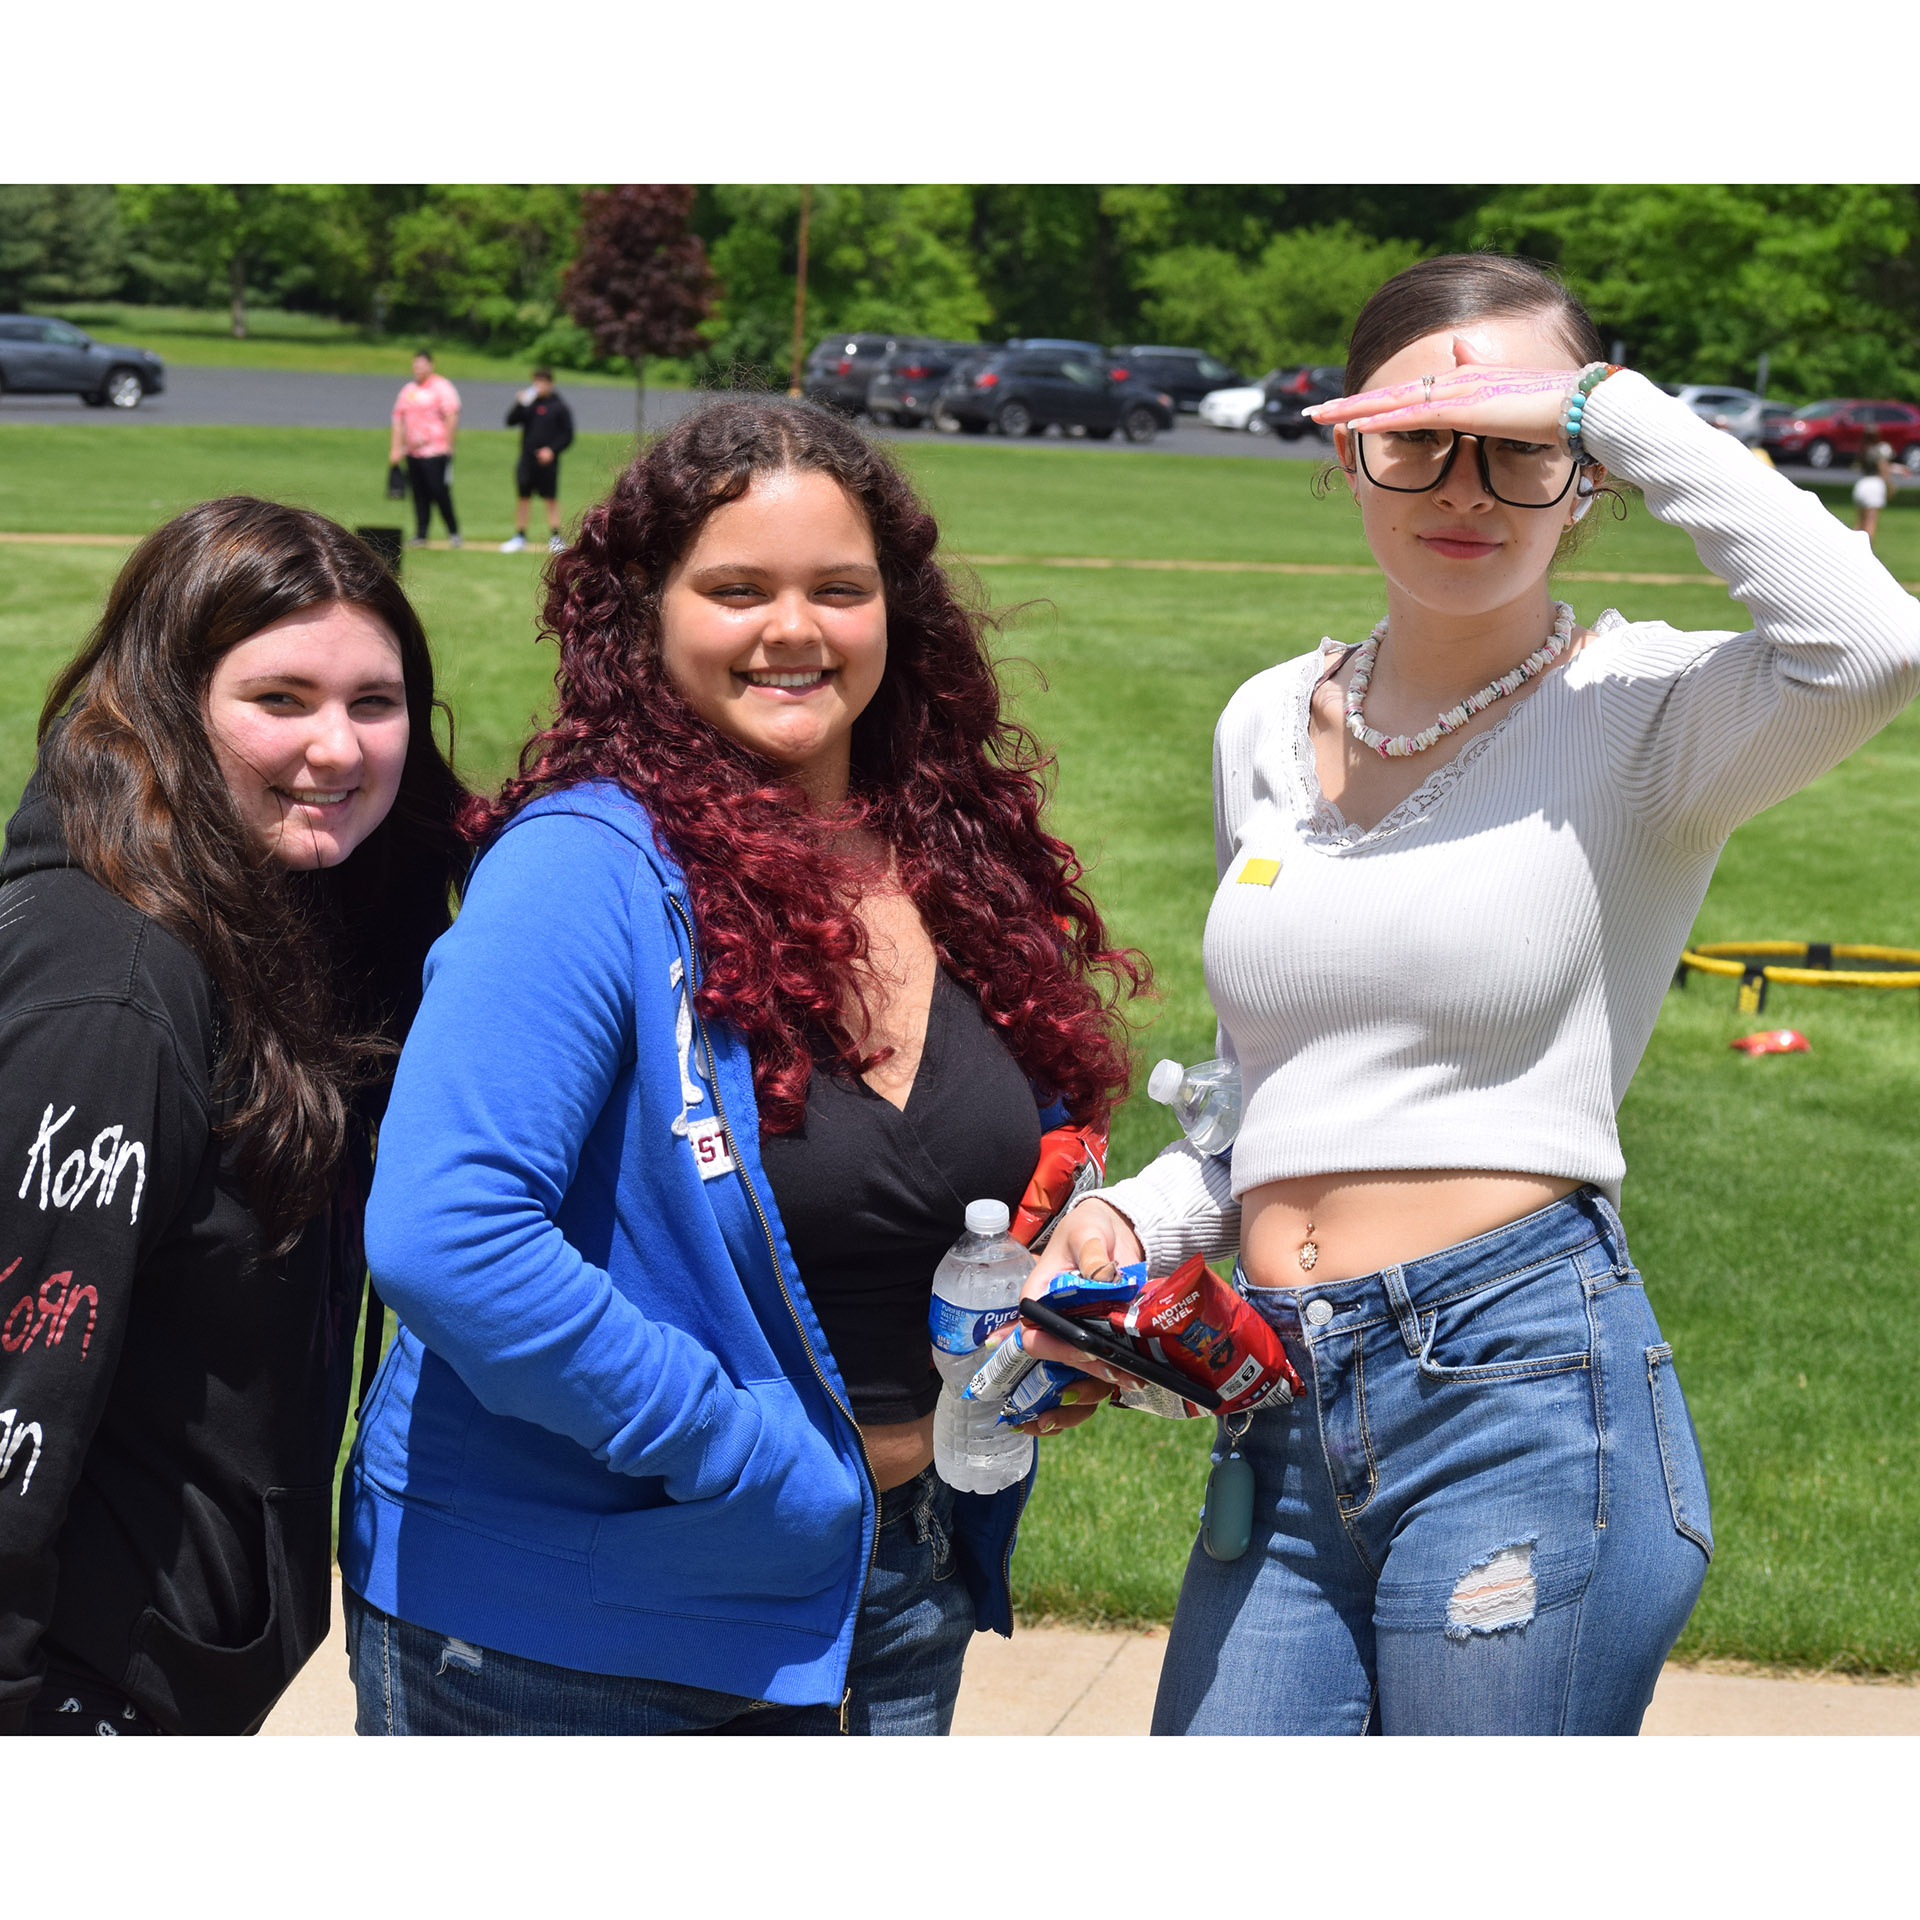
(1780, 1040)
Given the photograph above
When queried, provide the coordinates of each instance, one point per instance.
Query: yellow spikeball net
(1756, 964)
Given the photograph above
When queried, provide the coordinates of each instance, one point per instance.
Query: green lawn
(1771, 1201)
(308, 343)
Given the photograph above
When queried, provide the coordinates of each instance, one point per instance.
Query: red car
(1832, 430)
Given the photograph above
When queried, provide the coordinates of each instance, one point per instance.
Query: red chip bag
(1072, 1159)
(1194, 1322)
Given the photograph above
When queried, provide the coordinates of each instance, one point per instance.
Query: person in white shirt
(1457, 863)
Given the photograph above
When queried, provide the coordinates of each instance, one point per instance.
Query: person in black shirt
(546, 432)
(218, 893)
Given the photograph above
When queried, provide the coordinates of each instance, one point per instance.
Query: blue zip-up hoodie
(610, 1435)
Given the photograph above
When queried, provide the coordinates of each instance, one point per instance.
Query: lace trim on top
(1328, 827)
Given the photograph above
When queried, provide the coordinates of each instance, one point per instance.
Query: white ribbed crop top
(1472, 981)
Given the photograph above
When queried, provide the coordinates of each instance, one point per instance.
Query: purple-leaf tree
(640, 282)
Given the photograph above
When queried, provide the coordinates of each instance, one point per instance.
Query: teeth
(811, 677)
(315, 799)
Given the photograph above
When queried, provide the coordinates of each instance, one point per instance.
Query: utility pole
(800, 293)
(1760, 375)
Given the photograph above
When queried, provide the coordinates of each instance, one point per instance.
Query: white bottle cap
(1163, 1083)
(987, 1216)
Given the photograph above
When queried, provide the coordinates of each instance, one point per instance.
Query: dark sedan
(1026, 392)
(1293, 390)
(38, 355)
(1185, 372)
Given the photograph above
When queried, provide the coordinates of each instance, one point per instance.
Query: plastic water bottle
(1205, 1100)
(976, 1288)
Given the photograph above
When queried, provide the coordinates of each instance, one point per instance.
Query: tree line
(1696, 282)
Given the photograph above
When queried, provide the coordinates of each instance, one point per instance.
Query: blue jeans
(1487, 1514)
(904, 1676)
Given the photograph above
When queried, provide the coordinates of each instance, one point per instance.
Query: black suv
(1027, 391)
(38, 355)
(1185, 372)
(906, 388)
(1294, 388)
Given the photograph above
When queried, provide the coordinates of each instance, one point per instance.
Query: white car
(1236, 409)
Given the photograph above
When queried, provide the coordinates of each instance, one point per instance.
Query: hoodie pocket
(200, 1687)
(785, 1534)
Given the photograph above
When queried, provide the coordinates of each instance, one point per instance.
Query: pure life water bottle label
(963, 1329)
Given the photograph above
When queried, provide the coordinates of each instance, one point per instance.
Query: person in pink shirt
(425, 419)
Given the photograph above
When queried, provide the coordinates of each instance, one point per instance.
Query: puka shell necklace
(1398, 746)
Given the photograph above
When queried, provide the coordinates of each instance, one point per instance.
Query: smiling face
(1456, 550)
(774, 628)
(308, 721)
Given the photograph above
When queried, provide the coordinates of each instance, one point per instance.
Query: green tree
(882, 259)
(1077, 260)
(1699, 281)
(1296, 301)
(195, 242)
(485, 262)
(59, 244)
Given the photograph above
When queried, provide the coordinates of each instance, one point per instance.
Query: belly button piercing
(1309, 1255)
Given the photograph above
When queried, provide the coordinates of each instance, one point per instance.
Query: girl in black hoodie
(218, 892)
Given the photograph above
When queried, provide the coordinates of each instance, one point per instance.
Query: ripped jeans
(915, 1624)
(1487, 1514)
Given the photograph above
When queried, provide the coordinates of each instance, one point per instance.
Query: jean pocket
(1680, 1462)
(1517, 1327)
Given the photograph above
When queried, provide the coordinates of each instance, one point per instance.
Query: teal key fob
(1226, 1521)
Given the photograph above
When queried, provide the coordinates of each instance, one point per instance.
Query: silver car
(1734, 408)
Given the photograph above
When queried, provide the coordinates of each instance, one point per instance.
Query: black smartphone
(1103, 1344)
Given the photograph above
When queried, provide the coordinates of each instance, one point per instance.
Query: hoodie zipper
(773, 1254)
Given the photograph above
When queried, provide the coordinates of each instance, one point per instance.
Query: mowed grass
(1771, 1202)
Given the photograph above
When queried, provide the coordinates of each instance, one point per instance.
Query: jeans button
(1319, 1312)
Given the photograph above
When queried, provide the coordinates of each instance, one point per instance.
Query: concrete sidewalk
(1048, 1680)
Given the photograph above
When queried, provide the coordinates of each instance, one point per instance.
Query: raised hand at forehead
(1478, 396)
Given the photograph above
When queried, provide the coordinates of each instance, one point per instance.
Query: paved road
(257, 397)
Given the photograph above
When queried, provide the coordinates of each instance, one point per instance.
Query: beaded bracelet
(1574, 409)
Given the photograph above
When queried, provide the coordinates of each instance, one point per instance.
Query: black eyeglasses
(1518, 473)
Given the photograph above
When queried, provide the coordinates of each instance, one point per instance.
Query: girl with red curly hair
(769, 967)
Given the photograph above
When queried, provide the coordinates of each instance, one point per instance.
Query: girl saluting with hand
(1457, 863)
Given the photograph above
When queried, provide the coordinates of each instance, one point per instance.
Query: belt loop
(1401, 1302)
(1609, 1221)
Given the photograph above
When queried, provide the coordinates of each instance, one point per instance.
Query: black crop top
(871, 1196)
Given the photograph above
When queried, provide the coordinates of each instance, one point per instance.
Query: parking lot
(251, 397)
(246, 396)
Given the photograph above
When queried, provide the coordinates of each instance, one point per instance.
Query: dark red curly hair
(950, 783)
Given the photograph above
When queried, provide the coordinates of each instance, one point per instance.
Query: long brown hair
(316, 973)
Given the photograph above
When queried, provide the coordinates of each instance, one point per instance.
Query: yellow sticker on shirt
(1260, 873)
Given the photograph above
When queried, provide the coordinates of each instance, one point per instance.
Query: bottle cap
(1164, 1082)
(987, 1216)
